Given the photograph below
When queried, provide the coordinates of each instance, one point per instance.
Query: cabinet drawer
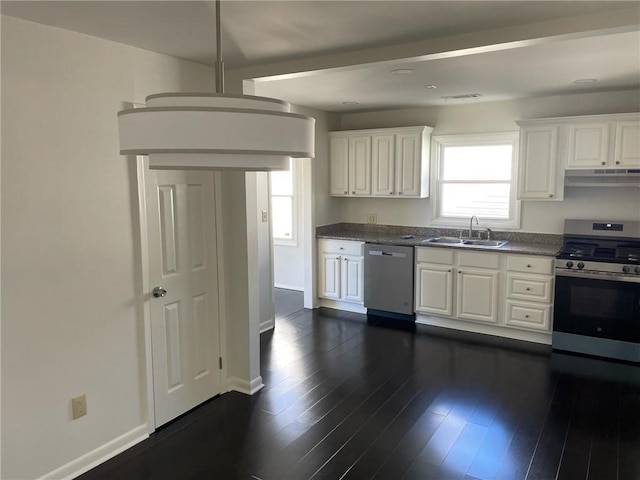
(343, 247)
(532, 288)
(442, 256)
(528, 316)
(530, 264)
(479, 260)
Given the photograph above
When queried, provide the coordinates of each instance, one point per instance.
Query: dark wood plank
(349, 399)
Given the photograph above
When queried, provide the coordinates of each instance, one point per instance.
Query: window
(476, 175)
(283, 206)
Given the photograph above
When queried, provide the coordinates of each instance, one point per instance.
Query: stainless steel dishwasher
(388, 281)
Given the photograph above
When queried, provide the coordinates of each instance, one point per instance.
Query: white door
(478, 295)
(383, 164)
(182, 260)
(408, 164)
(360, 165)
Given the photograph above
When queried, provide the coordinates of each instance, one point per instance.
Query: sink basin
(485, 243)
(443, 240)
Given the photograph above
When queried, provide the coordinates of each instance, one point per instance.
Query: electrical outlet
(372, 218)
(79, 406)
(265, 216)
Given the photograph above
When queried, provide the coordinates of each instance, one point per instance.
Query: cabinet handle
(390, 193)
(526, 316)
(345, 192)
(337, 258)
(604, 163)
(528, 266)
(341, 248)
(551, 195)
(617, 162)
(528, 289)
(345, 259)
(399, 193)
(449, 270)
(353, 193)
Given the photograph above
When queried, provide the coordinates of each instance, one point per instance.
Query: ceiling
(263, 32)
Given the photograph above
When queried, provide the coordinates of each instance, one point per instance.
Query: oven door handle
(597, 276)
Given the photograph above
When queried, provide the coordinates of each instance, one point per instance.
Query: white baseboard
(341, 305)
(289, 287)
(267, 325)
(100, 455)
(239, 385)
(495, 330)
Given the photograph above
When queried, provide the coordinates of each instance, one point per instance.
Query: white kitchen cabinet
(390, 162)
(529, 295)
(476, 283)
(383, 159)
(538, 172)
(434, 289)
(339, 165)
(549, 146)
(477, 297)
(350, 165)
(588, 145)
(341, 270)
(627, 144)
(330, 272)
(493, 293)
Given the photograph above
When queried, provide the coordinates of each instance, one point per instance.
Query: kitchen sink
(443, 240)
(484, 243)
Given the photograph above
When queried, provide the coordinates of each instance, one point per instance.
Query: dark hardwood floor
(348, 399)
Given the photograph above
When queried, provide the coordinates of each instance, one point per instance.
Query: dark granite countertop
(518, 242)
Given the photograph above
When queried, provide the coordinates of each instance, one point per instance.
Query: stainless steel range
(597, 292)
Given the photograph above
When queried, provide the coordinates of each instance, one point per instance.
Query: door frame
(144, 308)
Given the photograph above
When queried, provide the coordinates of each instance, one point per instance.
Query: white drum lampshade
(216, 131)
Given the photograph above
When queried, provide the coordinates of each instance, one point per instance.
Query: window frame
(480, 139)
(293, 241)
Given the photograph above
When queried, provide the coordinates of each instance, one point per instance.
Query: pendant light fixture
(216, 131)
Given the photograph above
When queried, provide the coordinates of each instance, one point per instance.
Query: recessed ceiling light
(402, 71)
(350, 103)
(585, 80)
(431, 87)
(463, 96)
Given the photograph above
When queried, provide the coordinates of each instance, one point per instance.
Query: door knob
(159, 292)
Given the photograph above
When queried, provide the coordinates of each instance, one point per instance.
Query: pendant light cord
(219, 64)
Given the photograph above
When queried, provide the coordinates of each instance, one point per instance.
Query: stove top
(594, 247)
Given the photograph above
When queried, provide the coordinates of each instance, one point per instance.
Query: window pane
(282, 216)
(483, 162)
(483, 200)
(282, 182)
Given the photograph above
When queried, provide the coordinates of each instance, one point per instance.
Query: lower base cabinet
(485, 292)
(341, 270)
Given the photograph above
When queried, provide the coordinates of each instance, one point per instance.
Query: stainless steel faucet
(471, 225)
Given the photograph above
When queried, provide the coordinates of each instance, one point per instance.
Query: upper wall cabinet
(391, 162)
(549, 146)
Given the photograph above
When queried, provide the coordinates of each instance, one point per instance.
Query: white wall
(69, 264)
(537, 216)
(288, 259)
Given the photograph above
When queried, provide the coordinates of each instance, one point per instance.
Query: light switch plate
(265, 216)
(372, 218)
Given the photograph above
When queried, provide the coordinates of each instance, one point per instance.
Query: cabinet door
(352, 279)
(383, 165)
(588, 145)
(477, 295)
(360, 165)
(627, 149)
(434, 289)
(538, 163)
(330, 271)
(339, 165)
(409, 164)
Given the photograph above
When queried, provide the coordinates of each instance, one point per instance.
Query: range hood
(603, 177)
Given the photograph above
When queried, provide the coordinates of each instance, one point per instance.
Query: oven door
(597, 306)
